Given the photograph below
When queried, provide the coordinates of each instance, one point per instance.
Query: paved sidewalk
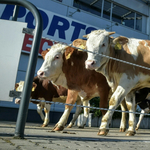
(37, 138)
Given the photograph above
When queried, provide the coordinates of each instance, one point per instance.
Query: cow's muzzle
(41, 74)
(90, 64)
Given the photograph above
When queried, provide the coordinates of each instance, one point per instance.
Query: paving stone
(81, 139)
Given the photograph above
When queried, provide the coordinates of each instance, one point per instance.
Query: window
(93, 6)
(59, 0)
(123, 16)
(107, 10)
(138, 22)
(113, 12)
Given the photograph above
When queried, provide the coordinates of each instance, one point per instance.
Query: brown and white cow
(142, 99)
(146, 109)
(45, 90)
(123, 79)
(65, 66)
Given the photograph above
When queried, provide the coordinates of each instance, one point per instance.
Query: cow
(124, 79)
(45, 90)
(65, 66)
(143, 100)
(140, 95)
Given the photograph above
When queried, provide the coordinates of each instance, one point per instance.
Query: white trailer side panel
(11, 39)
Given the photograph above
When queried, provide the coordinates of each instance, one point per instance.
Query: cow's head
(19, 87)
(98, 43)
(52, 65)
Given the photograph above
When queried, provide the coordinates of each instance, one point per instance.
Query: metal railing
(23, 109)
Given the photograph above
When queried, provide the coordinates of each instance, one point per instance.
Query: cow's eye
(56, 57)
(103, 44)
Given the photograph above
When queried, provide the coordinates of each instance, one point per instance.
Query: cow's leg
(17, 101)
(46, 119)
(140, 119)
(104, 94)
(86, 113)
(147, 110)
(130, 101)
(123, 118)
(115, 100)
(71, 99)
(104, 97)
(39, 111)
(78, 111)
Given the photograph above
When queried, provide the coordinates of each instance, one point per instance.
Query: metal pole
(15, 13)
(23, 109)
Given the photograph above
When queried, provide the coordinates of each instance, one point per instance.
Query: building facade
(67, 20)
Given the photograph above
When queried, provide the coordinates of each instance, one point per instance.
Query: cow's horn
(110, 33)
(85, 36)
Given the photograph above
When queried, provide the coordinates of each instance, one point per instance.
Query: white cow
(123, 79)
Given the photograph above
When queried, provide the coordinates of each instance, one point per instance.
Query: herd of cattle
(71, 76)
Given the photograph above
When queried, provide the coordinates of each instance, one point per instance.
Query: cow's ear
(79, 43)
(111, 38)
(45, 52)
(34, 85)
(119, 41)
(16, 85)
(82, 47)
(68, 52)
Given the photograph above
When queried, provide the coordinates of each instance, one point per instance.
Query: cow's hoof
(69, 126)
(130, 133)
(136, 128)
(44, 125)
(58, 128)
(122, 130)
(103, 132)
(81, 127)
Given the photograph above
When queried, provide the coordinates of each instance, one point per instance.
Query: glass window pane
(138, 22)
(144, 24)
(128, 19)
(107, 9)
(60, 0)
(123, 16)
(89, 5)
